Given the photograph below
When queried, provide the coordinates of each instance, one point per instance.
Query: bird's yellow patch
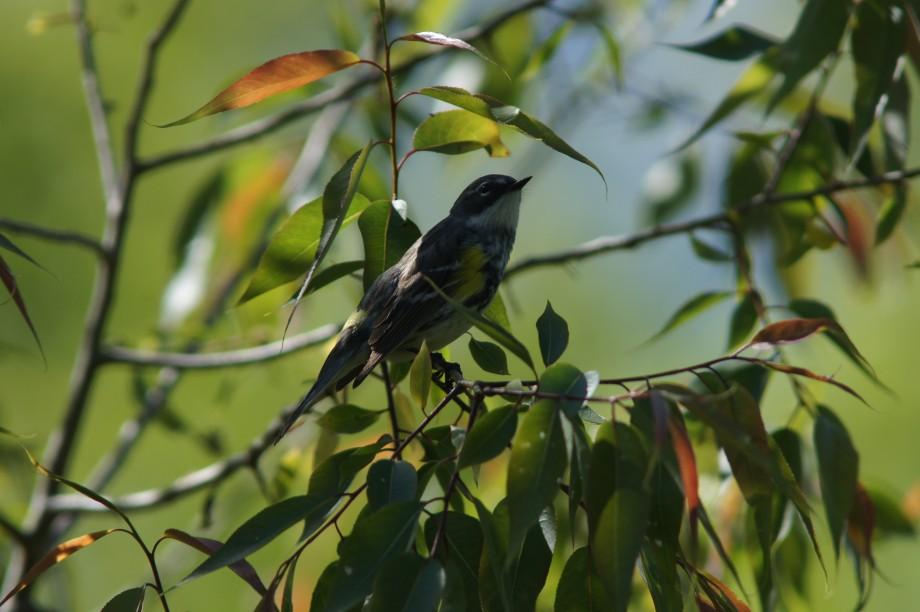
(470, 279)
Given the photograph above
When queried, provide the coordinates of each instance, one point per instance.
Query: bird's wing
(441, 259)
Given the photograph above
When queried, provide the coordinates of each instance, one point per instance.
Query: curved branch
(606, 244)
(272, 123)
(223, 359)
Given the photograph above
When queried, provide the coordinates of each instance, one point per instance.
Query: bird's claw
(449, 369)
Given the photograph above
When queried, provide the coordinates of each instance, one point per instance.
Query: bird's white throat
(502, 214)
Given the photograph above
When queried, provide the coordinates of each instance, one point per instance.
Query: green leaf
(287, 598)
(579, 589)
(890, 518)
(691, 308)
(896, 124)
(554, 335)
(665, 198)
(489, 436)
(538, 456)
(333, 476)
(496, 110)
(390, 482)
(259, 530)
(274, 77)
(377, 538)
(493, 557)
(208, 195)
(617, 542)
(735, 43)
(816, 35)
(877, 42)
(347, 419)
(292, 249)
(420, 376)
(531, 568)
(488, 356)
(838, 467)
(744, 318)
(408, 583)
(814, 309)
(707, 252)
(497, 313)
(337, 198)
(459, 131)
(544, 53)
(752, 82)
(130, 600)
(386, 237)
(490, 328)
(612, 47)
(890, 214)
(461, 548)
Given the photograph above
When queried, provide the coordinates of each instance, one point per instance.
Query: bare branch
(54, 235)
(273, 123)
(606, 244)
(223, 359)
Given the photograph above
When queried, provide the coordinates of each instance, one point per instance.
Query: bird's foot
(449, 369)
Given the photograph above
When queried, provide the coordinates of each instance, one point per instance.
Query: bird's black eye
(485, 189)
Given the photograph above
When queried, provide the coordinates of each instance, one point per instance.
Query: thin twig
(62, 236)
(273, 123)
(607, 244)
(223, 359)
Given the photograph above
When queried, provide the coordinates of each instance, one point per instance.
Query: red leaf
(55, 556)
(791, 330)
(861, 524)
(686, 462)
(722, 592)
(6, 275)
(805, 373)
(241, 568)
(274, 77)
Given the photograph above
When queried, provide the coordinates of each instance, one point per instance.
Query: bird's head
(491, 201)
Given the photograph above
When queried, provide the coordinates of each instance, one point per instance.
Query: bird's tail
(347, 353)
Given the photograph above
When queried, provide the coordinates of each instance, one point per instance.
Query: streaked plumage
(465, 255)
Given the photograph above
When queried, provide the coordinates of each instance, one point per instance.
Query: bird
(464, 256)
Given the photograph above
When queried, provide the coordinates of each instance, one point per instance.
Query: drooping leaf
(57, 554)
(274, 77)
(408, 583)
(9, 245)
(259, 530)
(496, 110)
(241, 568)
(530, 569)
(333, 476)
(375, 540)
(793, 330)
(545, 52)
(337, 198)
(129, 600)
(497, 313)
(691, 308)
(347, 419)
(293, 247)
(287, 596)
(490, 328)
(889, 215)
(460, 548)
(752, 82)
(707, 252)
(744, 317)
(686, 464)
(488, 356)
(735, 43)
(838, 467)
(9, 281)
(613, 51)
(553, 332)
(435, 38)
(817, 34)
(806, 373)
(617, 542)
(205, 198)
(538, 456)
(891, 516)
(579, 588)
(386, 237)
(459, 131)
(813, 309)
(390, 482)
(420, 376)
(489, 437)
(877, 42)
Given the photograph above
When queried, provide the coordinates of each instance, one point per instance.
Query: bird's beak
(518, 185)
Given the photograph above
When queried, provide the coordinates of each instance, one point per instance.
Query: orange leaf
(274, 77)
(686, 463)
(55, 556)
(791, 330)
(722, 592)
(241, 568)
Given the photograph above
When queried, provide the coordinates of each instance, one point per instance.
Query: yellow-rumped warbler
(464, 255)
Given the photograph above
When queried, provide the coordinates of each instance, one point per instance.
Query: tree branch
(273, 123)
(54, 235)
(607, 244)
(223, 359)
